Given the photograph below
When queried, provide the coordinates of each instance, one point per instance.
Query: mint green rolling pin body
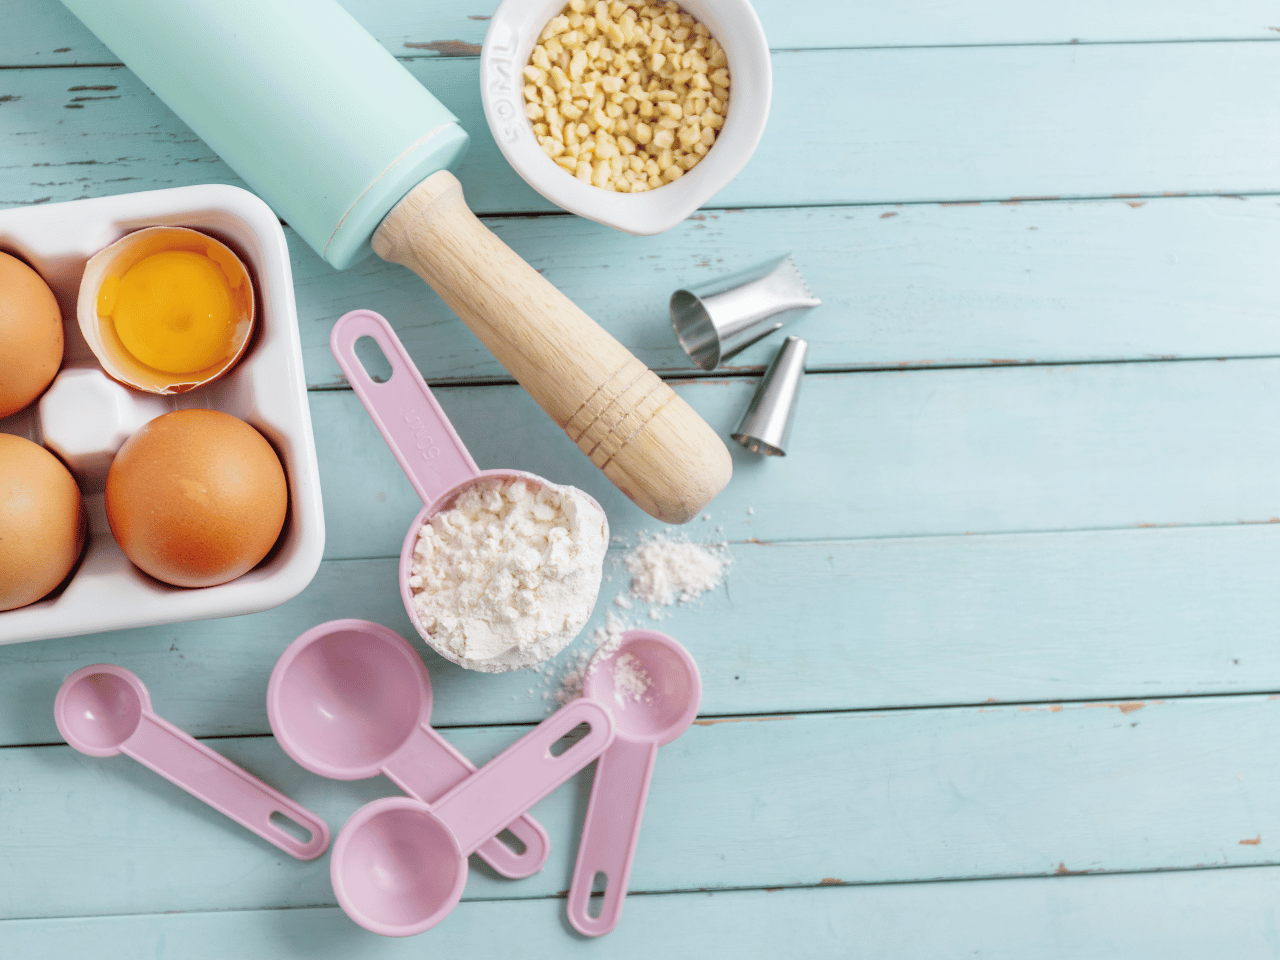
(329, 129)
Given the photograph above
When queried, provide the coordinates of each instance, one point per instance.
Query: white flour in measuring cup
(508, 576)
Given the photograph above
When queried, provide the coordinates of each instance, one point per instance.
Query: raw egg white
(196, 498)
(42, 522)
(30, 335)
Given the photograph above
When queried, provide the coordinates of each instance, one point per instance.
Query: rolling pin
(351, 151)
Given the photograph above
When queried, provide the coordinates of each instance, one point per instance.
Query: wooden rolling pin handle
(632, 425)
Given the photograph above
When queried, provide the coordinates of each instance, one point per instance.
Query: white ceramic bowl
(84, 416)
(512, 33)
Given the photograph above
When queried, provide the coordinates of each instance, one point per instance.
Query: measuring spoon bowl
(399, 866)
(97, 709)
(350, 699)
(104, 709)
(651, 687)
(670, 699)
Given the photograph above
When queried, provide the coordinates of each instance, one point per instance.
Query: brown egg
(196, 498)
(42, 522)
(30, 335)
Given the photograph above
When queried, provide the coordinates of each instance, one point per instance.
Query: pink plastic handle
(610, 833)
(611, 830)
(425, 444)
(523, 774)
(428, 766)
(217, 781)
(104, 709)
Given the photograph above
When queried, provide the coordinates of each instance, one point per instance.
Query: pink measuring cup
(350, 699)
(642, 723)
(399, 866)
(102, 710)
(425, 444)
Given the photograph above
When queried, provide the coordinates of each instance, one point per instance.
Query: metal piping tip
(716, 319)
(766, 426)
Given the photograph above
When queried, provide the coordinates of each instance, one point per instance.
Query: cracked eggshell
(116, 260)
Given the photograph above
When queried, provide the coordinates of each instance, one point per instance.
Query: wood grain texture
(953, 124)
(43, 33)
(1014, 621)
(913, 285)
(887, 623)
(1179, 915)
(889, 454)
(735, 803)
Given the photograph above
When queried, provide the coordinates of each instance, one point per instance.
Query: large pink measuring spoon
(651, 687)
(350, 699)
(399, 866)
(104, 709)
(425, 444)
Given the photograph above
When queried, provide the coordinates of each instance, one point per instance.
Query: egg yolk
(174, 311)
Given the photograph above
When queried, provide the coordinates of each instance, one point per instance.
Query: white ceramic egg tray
(84, 417)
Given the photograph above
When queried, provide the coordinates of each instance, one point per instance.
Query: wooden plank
(961, 793)
(889, 454)
(887, 623)
(1179, 916)
(953, 124)
(913, 285)
(43, 33)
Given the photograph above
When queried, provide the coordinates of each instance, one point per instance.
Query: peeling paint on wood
(447, 48)
(1062, 871)
(715, 720)
(1251, 843)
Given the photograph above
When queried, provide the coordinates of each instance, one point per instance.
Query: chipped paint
(1251, 843)
(886, 216)
(1062, 871)
(830, 882)
(712, 722)
(447, 48)
(1136, 203)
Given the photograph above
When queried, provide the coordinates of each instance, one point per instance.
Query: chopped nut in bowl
(632, 113)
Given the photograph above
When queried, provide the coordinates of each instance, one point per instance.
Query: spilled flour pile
(665, 571)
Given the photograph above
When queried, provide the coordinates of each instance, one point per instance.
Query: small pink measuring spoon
(416, 429)
(399, 866)
(102, 710)
(653, 696)
(350, 699)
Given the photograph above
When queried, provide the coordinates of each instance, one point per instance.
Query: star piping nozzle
(766, 426)
(718, 318)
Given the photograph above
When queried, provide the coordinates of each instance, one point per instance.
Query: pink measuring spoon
(650, 685)
(425, 444)
(350, 699)
(399, 866)
(102, 710)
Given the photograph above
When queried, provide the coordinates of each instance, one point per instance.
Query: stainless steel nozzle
(716, 319)
(766, 426)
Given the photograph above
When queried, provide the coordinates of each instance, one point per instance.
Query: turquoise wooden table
(995, 671)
